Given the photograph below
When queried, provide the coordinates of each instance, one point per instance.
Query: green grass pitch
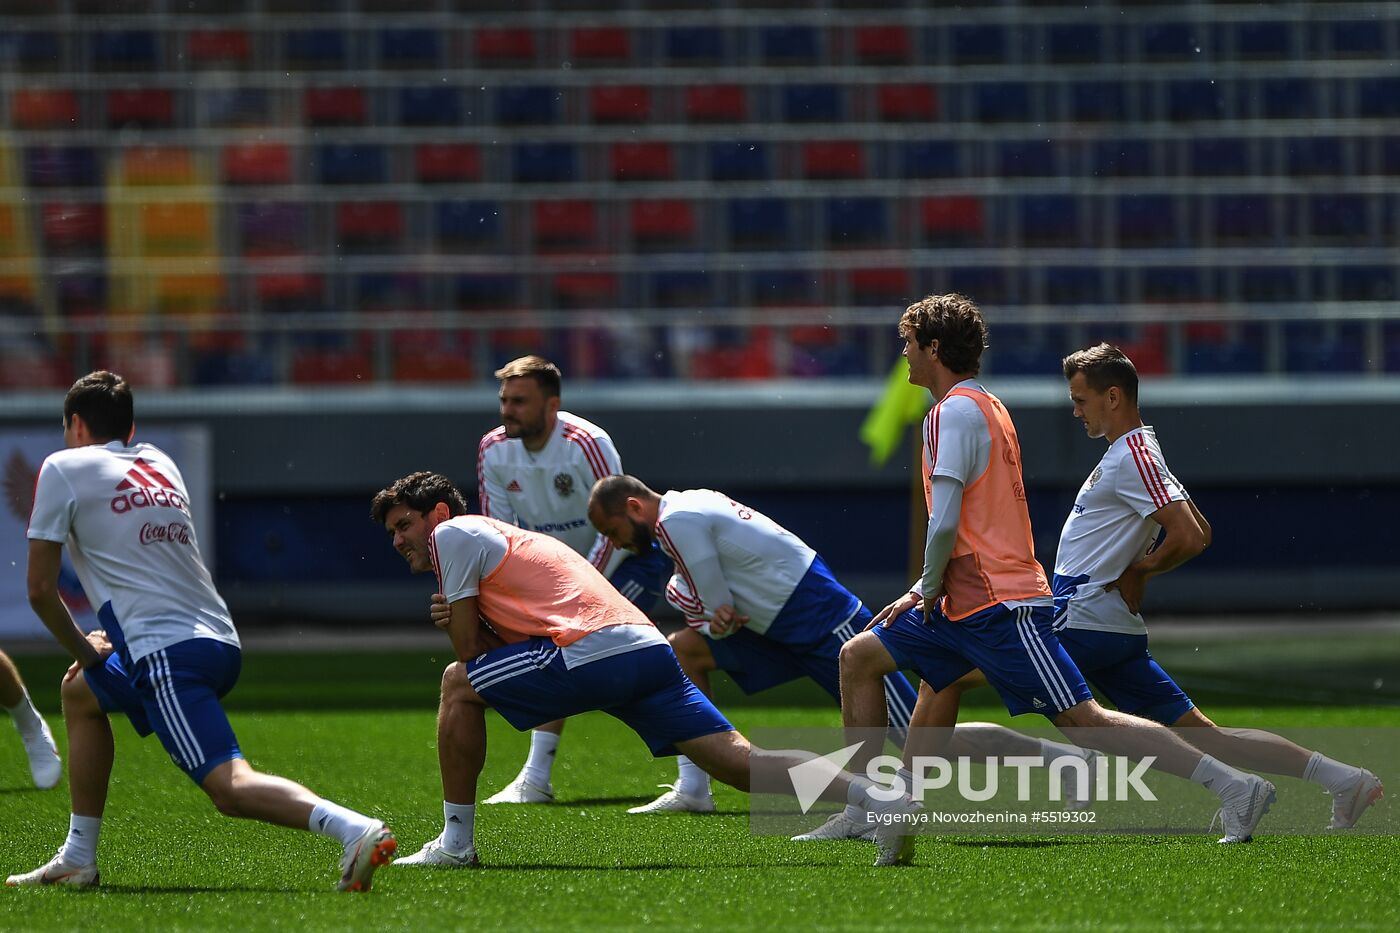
(359, 729)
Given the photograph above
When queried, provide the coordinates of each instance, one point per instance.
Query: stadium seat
(833, 159)
(1388, 162)
(73, 228)
(790, 45)
(694, 45)
(1050, 220)
(81, 295)
(61, 166)
(1365, 283)
(741, 354)
(758, 223)
(812, 103)
(1324, 347)
(368, 226)
(782, 288)
(1263, 40)
(1314, 155)
(290, 292)
(29, 371)
(1226, 350)
(388, 291)
(44, 109)
(237, 106)
(989, 284)
(257, 164)
(272, 228)
(642, 161)
(332, 367)
(545, 162)
(467, 225)
(504, 47)
(529, 104)
(1002, 102)
(682, 290)
(35, 50)
(938, 158)
(661, 224)
(1244, 219)
(1147, 220)
(157, 165)
(628, 103)
(125, 50)
(1378, 97)
(1340, 219)
(716, 103)
(427, 361)
(739, 161)
(952, 220)
(335, 106)
(586, 290)
(880, 287)
(1287, 98)
(1098, 101)
(216, 367)
(433, 105)
(1025, 349)
(1123, 158)
(1269, 285)
(352, 164)
(600, 45)
(1198, 99)
(564, 225)
(1163, 42)
(480, 292)
(1220, 157)
(883, 45)
(1075, 285)
(907, 103)
(979, 44)
(856, 223)
(315, 49)
(447, 163)
(1171, 284)
(146, 108)
(1074, 43)
(410, 48)
(1356, 39)
(219, 48)
(1026, 158)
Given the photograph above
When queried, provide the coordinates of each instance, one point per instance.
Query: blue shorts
(175, 693)
(1125, 672)
(642, 578)
(1014, 648)
(528, 684)
(757, 662)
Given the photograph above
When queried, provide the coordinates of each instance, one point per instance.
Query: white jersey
(1109, 528)
(728, 554)
(124, 514)
(547, 490)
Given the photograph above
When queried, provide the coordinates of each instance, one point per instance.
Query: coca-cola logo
(173, 533)
(148, 498)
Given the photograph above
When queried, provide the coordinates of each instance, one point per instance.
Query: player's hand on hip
(440, 611)
(1131, 586)
(727, 619)
(894, 610)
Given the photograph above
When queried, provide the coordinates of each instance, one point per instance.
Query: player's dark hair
(103, 401)
(955, 322)
(420, 491)
(610, 494)
(545, 373)
(1103, 366)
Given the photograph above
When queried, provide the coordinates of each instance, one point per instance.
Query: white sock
(691, 781)
(458, 823)
(1051, 750)
(331, 819)
(540, 764)
(1333, 775)
(1215, 775)
(26, 717)
(80, 848)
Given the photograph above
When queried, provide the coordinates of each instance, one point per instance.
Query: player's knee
(1084, 715)
(78, 698)
(223, 794)
(862, 657)
(454, 681)
(1194, 718)
(690, 649)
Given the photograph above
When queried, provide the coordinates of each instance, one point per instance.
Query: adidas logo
(143, 487)
(145, 475)
(1037, 702)
(514, 486)
(453, 819)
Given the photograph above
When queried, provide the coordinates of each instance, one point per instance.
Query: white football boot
(1242, 807)
(1353, 800)
(433, 854)
(522, 791)
(673, 801)
(374, 847)
(840, 826)
(56, 872)
(44, 764)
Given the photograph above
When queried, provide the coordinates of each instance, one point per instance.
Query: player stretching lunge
(535, 471)
(170, 651)
(761, 605)
(45, 767)
(540, 635)
(983, 601)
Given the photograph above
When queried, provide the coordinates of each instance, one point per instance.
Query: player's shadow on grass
(196, 889)
(602, 801)
(1017, 843)
(19, 789)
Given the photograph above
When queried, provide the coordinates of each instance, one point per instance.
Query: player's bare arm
(1184, 540)
(894, 610)
(100, 643)
(45, 561)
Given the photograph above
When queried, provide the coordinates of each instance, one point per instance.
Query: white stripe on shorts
(1050, 675)
(169, 705)
(528, 663)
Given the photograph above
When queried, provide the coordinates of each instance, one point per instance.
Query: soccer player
(983, 601)
(759, 604)
(169, 652)
(535, 471)
(540, 634)
(1109, 549)
(45, 767)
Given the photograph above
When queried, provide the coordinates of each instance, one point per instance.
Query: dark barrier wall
(1301, 480)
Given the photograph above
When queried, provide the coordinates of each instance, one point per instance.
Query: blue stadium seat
(481, 291)
(856, 222)
(790, 45)
(1339, 218)
(1365, 283)
(1026, 158)
(237, 367)
(986, 285)
(935, 158)
(1074, 285)
(1199, 99)
(1263, 40)
(758, 222)
(133, 49)
(545, 162)
(62, 167)
(528, 104)
(237, 106)
(1172, 41)
(1071, 43)
(1378, 97)
(1147, 220)
(685, 289)
(1356, 39)
(979, 44)
(694, 45)
(1244, 217)
(1025, 349)
(1098, 101)
(1173, 284)
(1051, 220)
(1225, 156)
(1389, 156)
(812, 103)
(316, 48)
(1324, 347)
(410, 48)
(739, 161)
(390, 291)
(1314, 155)
(783, 287)
(1270, 285)
(1288, 98)
(36, 50)
(1002, 101)
(1123, 158)
(353, 164)
(467, 223)
(432, 105)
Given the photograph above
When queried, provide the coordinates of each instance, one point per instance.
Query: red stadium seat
(564, 225)
(289, 287)
(833, 159)
(447, 162)
(504, 46)
(871, 287)
(650, 161)
(907, 103)
(716, 103)
(150, 108)
(606, 45)
(628, 103)
(220, 47)
(753, 360)
(258, 164)
(952, 219)
(883, 45)
(335, 106)
(73, 228)
(585, 289)
(44, 109)
(430, 364)
(31, 371)
(363, 225)
(321, 367)
(662, 224)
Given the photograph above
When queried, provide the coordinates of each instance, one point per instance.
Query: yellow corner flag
(899, 406)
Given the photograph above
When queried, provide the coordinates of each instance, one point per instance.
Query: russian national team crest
(564, 484)
(1095, 476)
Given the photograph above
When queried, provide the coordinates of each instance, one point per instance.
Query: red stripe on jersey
(1147, 469)
(604, 556)
(433, 556)
(1154, 470)
(488, 440)
(932, 423)
(591, 451)
(670, 549)
(682, 601)
(697, 624)
(153, 473)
